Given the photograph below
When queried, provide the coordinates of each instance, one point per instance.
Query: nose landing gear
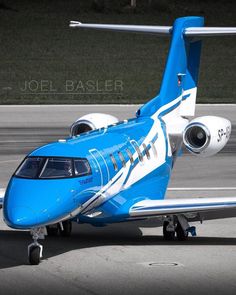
(35, 250)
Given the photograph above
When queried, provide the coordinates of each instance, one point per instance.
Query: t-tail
(179, 84)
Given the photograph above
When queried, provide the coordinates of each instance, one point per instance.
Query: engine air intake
(196, 137)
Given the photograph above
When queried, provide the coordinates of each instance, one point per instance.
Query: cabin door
(101, 166)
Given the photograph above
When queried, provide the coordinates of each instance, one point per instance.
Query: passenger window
(146, 151)
(122, 159)
(140, 156)
(114, 162)
(154, 149)
(82, 167)
(130, 156)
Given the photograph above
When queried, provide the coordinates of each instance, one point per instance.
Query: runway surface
(122, 258)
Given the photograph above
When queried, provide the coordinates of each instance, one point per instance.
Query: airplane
(110, 171)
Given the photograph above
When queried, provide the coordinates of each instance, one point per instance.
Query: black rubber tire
(167, 235)
(181, 234)
(34, 255)
(52, 231)
(67, 228)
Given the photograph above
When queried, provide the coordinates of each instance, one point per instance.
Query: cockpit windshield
(56, 168)
(53, 168)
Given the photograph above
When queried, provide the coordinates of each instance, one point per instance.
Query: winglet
(74, 23)
(2, 193)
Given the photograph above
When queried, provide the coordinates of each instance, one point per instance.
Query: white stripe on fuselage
(116, 184)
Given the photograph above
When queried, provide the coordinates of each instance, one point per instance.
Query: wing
(2, 193)
(194, 208)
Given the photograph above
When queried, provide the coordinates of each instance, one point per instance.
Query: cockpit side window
(81, 167)
(30, 168)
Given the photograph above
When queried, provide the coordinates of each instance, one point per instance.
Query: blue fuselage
(129, 162)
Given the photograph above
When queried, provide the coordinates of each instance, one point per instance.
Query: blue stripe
(185, 97)
(165, 112)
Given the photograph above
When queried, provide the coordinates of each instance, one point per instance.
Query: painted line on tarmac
(69, 105)
(230, 188)
(99, 105)
(21, 141)
(10, 161)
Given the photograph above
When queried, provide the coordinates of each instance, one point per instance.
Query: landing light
(94, 214)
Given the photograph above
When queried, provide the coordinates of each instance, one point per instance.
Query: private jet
(110, 171)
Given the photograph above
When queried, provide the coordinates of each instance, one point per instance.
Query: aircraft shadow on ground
(13, 244)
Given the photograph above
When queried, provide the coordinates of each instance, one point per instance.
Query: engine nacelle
(91, 122)
(206, 136)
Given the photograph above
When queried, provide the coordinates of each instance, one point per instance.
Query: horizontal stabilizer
(159, 30)
(209, 31)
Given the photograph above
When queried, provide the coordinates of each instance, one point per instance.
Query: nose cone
(20, 217)
(32, 203)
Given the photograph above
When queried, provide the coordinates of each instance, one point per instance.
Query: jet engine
(91, 122)
(206, 136)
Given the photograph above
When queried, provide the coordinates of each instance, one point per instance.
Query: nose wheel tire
(34, 254)
(35, 250)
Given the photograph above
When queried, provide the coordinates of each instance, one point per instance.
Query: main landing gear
(35, 250)
(177, 226)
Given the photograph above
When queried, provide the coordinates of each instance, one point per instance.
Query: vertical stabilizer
(179, 84)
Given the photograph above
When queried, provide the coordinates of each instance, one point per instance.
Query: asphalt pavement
(120, 258)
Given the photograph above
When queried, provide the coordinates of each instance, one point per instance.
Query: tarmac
(121, 258)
